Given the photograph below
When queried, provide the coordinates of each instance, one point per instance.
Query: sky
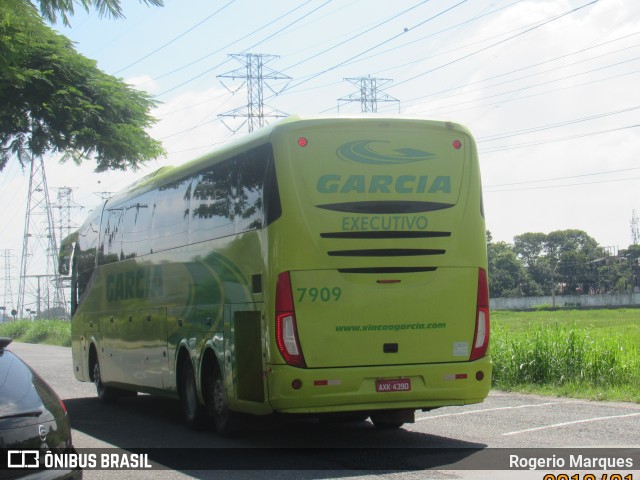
(549, 88)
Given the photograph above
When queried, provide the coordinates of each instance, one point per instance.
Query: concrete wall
(600, 300)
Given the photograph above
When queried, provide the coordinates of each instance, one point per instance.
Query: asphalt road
(504, 421)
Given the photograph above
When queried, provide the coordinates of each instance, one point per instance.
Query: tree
(507, 274)
(576, 256)
(50, 9)
(56, 100)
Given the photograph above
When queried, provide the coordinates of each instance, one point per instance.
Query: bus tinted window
(170, 215)
(249, 190)
(211, 207)
(85, 253)
(111, 238)
(136, 224)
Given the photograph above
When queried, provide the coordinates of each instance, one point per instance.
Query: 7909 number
(319, 294)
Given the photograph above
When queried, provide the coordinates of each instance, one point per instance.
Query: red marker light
(303, 142)
(457, 144)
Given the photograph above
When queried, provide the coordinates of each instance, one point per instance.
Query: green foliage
(14, 329)
(507, 275)
(50, 9)
(561, 262)
(52, 332)
(56, 100)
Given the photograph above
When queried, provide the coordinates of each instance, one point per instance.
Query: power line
(311, 77)
(175, 38)
(554, 140)
(244, 51)
(232, 43)
(563, 185)
(350, 39)
(528, 182)
(540, 84)
(555, 90)
(466, 85)
(500, 136)
(553, 19)
(453, 27)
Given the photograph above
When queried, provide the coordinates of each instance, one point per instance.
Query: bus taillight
(286, 327)
(481, 336)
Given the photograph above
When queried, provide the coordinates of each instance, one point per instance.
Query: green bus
(325, 266)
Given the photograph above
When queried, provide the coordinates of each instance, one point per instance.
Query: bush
(53, 332)
(563, 355)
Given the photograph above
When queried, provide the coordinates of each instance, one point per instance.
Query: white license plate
(393, 385)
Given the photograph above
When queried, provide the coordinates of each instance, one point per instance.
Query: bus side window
(169, 209)
(111, 238)
(211, 212)
(248, 195)
(84, 256)
(136, 226)
(271, 195)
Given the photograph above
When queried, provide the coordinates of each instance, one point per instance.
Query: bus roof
(168, 174)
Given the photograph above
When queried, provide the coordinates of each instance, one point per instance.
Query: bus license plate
(393, 385)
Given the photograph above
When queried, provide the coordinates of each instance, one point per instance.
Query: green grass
(578, 353)
(50, 332)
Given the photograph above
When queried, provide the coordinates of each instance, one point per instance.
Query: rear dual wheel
(216, 407)
(217, 403)
(193, 411)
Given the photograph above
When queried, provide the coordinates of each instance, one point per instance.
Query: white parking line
(469, 412)
(556, 425)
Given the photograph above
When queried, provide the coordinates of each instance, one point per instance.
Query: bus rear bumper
(325, 390)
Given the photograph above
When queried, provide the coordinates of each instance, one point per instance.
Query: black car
(32, 419)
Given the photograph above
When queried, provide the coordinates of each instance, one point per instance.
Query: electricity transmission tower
(64, 205)
(255, 75)
(40, 288)
(369, 93)
(635, 228)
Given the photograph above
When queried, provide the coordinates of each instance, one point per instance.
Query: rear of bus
(378, 268)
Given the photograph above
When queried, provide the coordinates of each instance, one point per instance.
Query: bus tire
(106, 394)
(192, 411)
(217, 403)
(392, 419)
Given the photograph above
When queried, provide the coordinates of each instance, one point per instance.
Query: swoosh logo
(371, 153)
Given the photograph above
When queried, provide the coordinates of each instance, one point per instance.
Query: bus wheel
(106, 394)
(216, 395)
(192, 410)
(392, 419)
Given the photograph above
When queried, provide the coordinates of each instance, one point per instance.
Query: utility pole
(255, 75)
(7, 301)
(39, 248)
(369, 93)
